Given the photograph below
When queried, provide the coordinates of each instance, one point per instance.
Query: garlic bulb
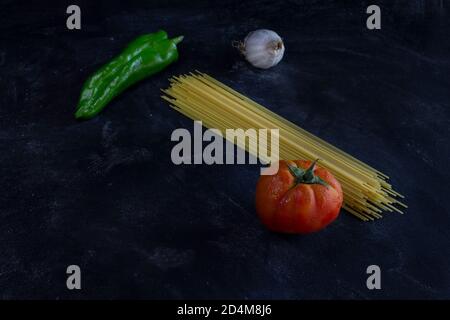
(262, 48)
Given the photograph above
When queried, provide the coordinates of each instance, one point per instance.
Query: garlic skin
(263, 48)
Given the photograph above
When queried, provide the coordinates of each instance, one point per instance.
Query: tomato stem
(309, 173)
(306, 176)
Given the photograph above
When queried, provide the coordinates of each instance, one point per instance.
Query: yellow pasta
(367, 194)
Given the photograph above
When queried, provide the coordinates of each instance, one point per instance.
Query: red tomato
(300, 198)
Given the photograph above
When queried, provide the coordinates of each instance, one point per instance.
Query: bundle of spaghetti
(367, 194)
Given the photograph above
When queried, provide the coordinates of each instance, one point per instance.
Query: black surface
(105, 195)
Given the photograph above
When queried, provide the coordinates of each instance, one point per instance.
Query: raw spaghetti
(367, 194)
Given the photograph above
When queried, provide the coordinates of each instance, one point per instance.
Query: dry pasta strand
(367, 194)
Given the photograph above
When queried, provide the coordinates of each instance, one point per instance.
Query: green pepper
(143, 57)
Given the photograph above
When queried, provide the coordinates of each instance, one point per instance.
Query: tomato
(300, 198)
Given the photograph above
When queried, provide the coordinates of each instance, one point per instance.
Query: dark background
(104, 194)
